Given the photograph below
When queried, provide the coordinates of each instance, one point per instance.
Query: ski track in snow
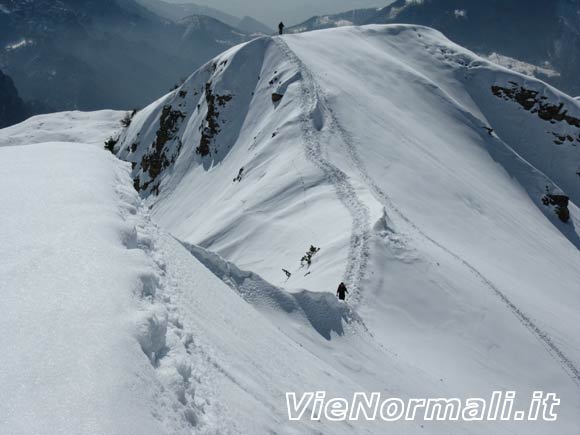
(358, 257)
(312, 120)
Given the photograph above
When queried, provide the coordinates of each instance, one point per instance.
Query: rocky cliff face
(12, 108)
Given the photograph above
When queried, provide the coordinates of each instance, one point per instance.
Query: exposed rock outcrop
(560, 203)
(210, 127)
(540, 105)
(156, 160)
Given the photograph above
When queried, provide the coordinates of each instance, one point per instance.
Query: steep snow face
(235, 148)
(415, 166)
(462, 220)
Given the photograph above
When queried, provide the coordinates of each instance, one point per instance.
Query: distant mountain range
(93, 54)
(540, 37)
(178, 11)
(121, 54)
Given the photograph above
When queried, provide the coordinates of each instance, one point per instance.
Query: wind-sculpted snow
(322, 310)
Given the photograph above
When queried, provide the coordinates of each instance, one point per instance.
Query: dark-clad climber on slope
(281, 28)
(341, 291)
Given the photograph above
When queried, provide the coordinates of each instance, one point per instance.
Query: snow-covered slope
(417, 167)
(537, 36)
(77, 127)
(111, 326)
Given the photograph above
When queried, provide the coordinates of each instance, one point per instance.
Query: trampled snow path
(180, 363)
(315, 113)
(317, 108)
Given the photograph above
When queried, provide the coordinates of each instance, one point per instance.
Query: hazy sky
(289, 11)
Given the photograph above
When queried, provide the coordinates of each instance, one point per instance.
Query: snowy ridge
(365, 160)
(222, 75)
(545, 36)
(358, 225)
